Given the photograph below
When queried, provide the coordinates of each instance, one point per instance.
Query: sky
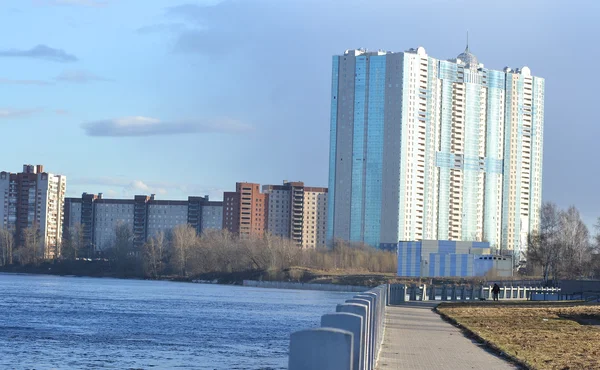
(184, 98)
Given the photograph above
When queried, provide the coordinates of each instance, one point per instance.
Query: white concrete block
(321, 349)
(349, 322)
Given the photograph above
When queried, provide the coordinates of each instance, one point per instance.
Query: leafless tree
(7, 244)
(184, 239)
(31, 250)
(73, 242)
(544, 247)
(574, 237)
(122, 247)
(562, 245)
(154, 254)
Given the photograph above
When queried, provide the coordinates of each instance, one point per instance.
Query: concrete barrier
(362, 311)
(304, 286)
(349, 322)
(322, 348)
(368, 329)
(369, 307)
(373, 308)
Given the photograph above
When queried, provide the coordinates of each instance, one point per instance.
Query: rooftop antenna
(467, 40)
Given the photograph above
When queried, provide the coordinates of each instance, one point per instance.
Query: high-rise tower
(423, 148)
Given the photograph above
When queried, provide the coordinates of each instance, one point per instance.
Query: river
(52, 322)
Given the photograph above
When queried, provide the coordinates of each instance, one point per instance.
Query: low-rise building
(445, 258)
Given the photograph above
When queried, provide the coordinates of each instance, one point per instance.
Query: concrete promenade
(418, 338)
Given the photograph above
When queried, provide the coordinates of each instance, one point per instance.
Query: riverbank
(103, 268)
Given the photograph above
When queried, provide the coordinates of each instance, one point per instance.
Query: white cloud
(86, 3)
(79, 76)
(8, 81)
(148, 126)
(15, 113)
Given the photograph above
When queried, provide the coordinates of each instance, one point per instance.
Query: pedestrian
(496, 291)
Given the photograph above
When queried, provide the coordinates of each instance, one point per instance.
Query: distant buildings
(297, 212)
(290, 210)
(33, 198)
(423, 148)
(144, 215)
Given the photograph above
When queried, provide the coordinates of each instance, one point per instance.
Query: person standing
(496, 291)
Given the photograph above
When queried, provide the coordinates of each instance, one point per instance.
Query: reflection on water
(67, 322)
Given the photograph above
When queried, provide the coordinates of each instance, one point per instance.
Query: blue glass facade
(358, 150)
(374, 160)
(332, 145)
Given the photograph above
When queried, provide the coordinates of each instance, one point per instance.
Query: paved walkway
(418, 338)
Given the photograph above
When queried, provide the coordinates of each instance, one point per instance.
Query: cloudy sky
(139, 96)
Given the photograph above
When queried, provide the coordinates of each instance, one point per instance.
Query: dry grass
(541, 336)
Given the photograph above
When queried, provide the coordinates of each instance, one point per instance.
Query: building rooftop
(468, 58)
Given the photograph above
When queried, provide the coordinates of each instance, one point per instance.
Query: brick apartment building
(290, 210)
(245, 210)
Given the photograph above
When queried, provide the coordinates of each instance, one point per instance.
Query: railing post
(444, 293)
(432, 293)
(362, 311)
(463, 293)
(413, 292)
(453, 295)
(349, 322)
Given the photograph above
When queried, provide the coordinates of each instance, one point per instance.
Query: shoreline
(298, 276)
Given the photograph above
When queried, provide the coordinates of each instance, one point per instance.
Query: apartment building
(34, 198)
(297, 212)
(144, 215)
(314, 224)
(245, 210)
(423, 148)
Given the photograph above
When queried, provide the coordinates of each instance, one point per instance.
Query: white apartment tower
(34, 198)
(423, 148)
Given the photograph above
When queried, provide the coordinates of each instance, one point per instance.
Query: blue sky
(186, 98)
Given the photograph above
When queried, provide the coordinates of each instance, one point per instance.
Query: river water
(51, 322)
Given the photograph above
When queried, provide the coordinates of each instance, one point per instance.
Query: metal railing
(400, 293)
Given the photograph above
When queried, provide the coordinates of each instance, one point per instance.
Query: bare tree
(73, 242)
(31, 249)
(7, 244)
(183, 241)
(154, 253)
(544, 246)
(574, 237)
(122, 247)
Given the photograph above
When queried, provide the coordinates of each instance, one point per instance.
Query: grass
(538, 336)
